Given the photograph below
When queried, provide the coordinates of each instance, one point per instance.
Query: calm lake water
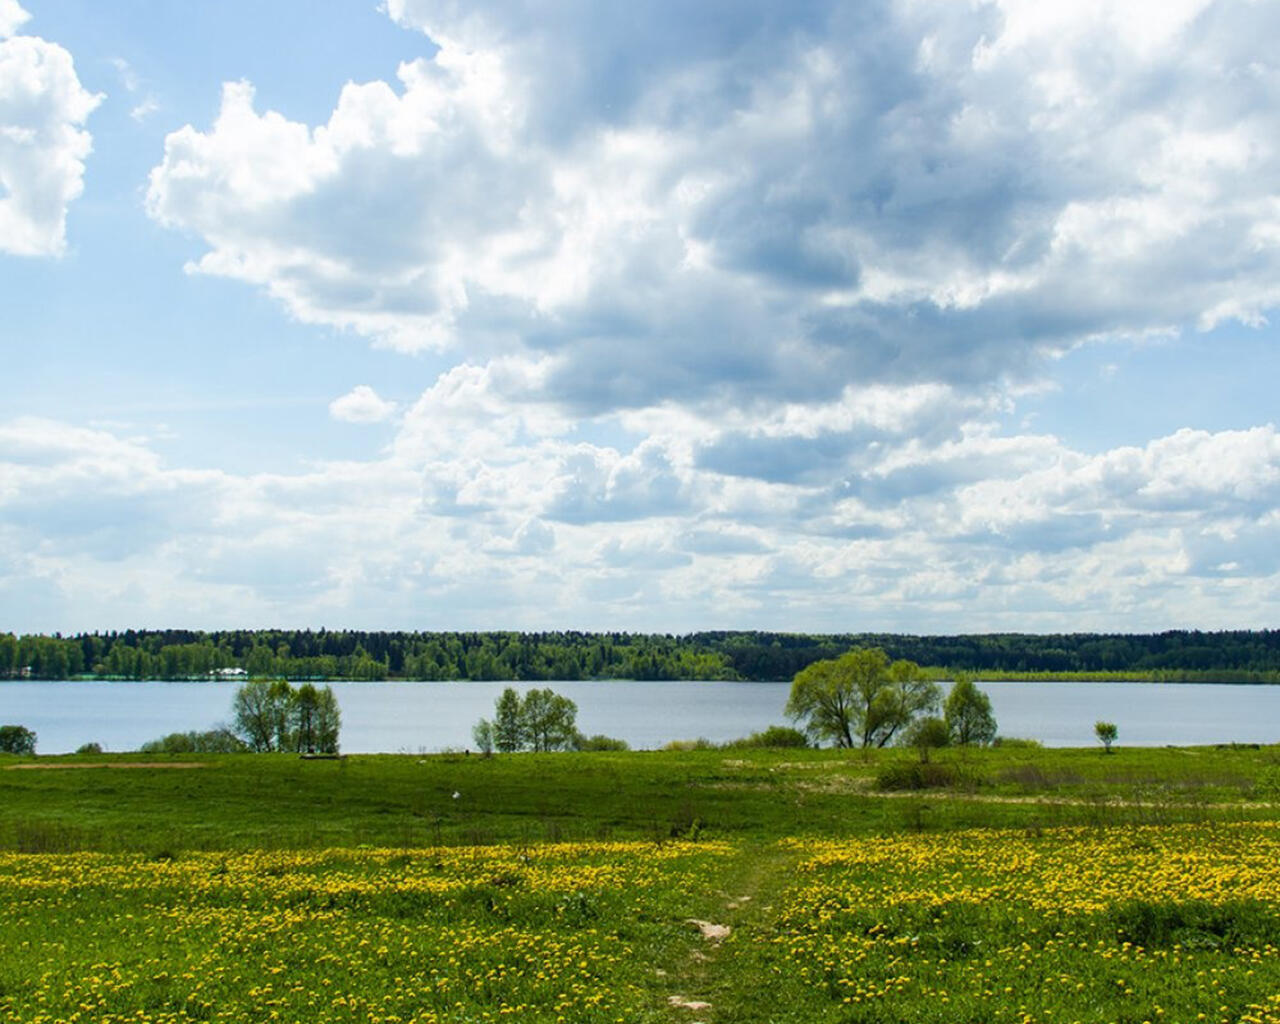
(418, 717)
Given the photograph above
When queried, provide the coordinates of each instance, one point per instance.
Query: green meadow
(700, 885)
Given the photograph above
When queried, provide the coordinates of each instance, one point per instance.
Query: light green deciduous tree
(508, 723)
(272, 715)
(542, 720)
(968, 713)
(549, 720)
(860, 699)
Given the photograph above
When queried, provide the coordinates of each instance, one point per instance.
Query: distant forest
(1232, 656)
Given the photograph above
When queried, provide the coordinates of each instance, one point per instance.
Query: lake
(398, 717)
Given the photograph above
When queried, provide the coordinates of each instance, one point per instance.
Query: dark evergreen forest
(1230, 656)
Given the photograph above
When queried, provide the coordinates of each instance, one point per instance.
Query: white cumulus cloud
(43, 145)
(775, 203)
(12, 17)
(1180, 530)
(361, 405)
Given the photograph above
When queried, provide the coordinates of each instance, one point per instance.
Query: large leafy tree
(257, 713)
(860, 699)
(549, 720)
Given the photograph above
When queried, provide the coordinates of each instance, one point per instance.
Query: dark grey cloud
(607, 56)
(787, 459)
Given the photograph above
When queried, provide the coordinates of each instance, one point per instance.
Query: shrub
(482, 734)
(599, 742)
(215, 741)
(17, 739)
(701, 743)
(910, 775)
(773, 737)
(89, 748)
(1016, 743)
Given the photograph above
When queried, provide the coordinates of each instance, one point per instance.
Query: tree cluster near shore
(1192, 656)
(274, 716)
(861, 699)
(540, 721)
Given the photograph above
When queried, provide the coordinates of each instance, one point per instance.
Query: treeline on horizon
(1180, 655)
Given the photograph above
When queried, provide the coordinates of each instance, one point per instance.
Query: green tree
(17, 739)
(8, 654)
(860, 699)
(482, 733)
(925, 734)
(823, 694)
(549, 720)
(260, 662)
(508, 722)
(260, 710)
(968, 713)
(305, 702)
(285, 699)
(326, 721)
(1106, 733)
(911, 694)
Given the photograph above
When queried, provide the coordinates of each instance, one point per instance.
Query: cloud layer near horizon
(980, 532)
(732, 301)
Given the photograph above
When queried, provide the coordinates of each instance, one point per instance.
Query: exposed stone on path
(710, 932)
(688, 1004)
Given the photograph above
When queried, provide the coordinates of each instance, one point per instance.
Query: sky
(904, 315)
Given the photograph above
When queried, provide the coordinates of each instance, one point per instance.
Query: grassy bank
(124, 802)
(711, 885)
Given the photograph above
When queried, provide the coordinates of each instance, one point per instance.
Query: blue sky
(911, 316)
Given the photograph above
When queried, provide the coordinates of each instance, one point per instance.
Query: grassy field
(745, 886)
